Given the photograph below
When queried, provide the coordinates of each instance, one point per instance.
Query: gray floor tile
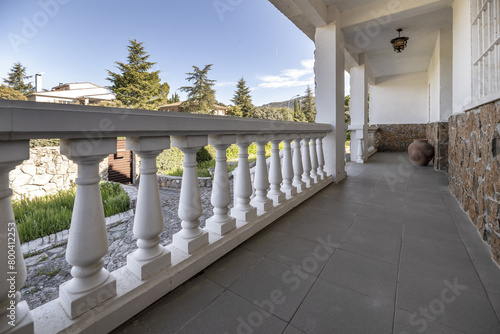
(413, 323)
(339, 218)
(387, 200)
(268, 278)
(432, 210)
(294, 251)
(372, 277)
(170, 313)
(342, 206)
(378, 227)
(292, 330)
(232, 266)
(318, 231)
(378, 247)
(429, 198)
(232, 314)
(495, 302)
(448, 301)
(331, 308)
(419, 221)
(133, 326)
(392, 214)
(264, 241)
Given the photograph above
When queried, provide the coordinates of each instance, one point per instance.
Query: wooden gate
(120, 164)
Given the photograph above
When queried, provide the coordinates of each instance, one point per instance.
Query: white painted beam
(315, 10)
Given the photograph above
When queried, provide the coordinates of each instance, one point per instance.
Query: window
(485, 48)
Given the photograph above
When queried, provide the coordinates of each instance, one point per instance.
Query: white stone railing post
(321, 157)
(360, 159)
(314, 160)
(287, 169)
(297, 166)
(221, 223)
(275, 177)
(242, 209)
(191, 237)
(12, 311)
(261, 181)
(91, 284)
(306, 162)
(150, 257)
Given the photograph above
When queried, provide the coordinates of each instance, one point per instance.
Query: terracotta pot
(420, 152)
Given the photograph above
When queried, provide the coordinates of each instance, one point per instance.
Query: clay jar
(420, 152)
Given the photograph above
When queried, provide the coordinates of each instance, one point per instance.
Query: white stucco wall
(433, 83)
(462, 68)
(399, 99)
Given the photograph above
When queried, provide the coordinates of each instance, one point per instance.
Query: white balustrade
(15, 315)
(314, 160)
(306, 163)
(360, 159)
(191, 237)
(287, 169)
(91, 284)
(321, 157)
(242, 209)
(221, 223)
(297, 166)
(150, 257)
(261, 181)
(275, 177)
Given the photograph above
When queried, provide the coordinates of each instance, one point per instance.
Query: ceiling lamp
(399, 43)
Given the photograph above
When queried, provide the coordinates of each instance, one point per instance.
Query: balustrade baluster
(314, 160)
(297, 166)
(91, 284)
(150, 257)
(261, 181)
(287, 169)
(321, 157)
(306, 162)
(191, 237)
(221, 223)
(275, 177)
(12, 310)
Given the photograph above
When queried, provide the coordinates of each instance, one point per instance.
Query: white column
(150, 257)
(88, 241)
(314, 160)
(306, 162)
(321, 157)
(12, 311)
(191, 237)
(359, 112)
(275, 177)
(221, 223)
(242, 209)
(297, 166)
(261, 181)
(287, 169)
(329, 70)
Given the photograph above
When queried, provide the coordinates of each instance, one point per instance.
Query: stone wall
(45, 173)
(474, 170)
(437, 134)
(175, 182)
(397, 137)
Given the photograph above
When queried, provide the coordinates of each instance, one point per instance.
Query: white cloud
(291, 77)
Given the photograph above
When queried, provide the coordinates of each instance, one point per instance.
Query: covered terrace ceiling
(369, 25)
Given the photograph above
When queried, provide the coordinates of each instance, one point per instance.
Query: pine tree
(17, 76)
(135, 86)
(201, 96)
(309, 108)
(243, 99)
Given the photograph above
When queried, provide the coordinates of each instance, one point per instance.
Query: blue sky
(76, 41)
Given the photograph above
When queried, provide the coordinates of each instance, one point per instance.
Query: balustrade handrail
(20, 120)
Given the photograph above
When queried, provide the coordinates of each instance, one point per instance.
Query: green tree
(7, 93)
(201, 96)
(347, 109)
(243, 99)
(110, 104)
(234, 111)
(16, 78)
(174, 99)
(309, 108)
(135, 85)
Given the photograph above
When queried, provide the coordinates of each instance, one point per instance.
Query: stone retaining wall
(397, 137)
(45, 173)
(175, 182)
(474, 170)
(437, 134)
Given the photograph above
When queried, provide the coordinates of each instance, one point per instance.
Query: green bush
(42, 216)
(169, 160)
(44, 142)
(232, 152)
(204, 155)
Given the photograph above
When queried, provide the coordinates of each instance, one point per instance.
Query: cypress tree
(309, 108)
(16, 78)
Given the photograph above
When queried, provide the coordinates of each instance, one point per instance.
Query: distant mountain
(283, 104)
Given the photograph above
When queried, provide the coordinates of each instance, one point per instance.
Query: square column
(359, 113)
(329, 71)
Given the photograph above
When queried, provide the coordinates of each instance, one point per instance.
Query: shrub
(44, 142)
(204, 155)
(42, 216)
(169, 160)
